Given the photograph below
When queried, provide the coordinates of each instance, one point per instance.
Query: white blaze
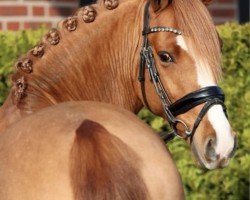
(216, 116)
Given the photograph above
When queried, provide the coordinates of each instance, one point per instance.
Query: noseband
(210, 96)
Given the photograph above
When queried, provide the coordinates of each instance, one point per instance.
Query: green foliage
(12, 45)
(230, 183)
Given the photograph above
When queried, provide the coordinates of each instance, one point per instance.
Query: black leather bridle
(210, 96)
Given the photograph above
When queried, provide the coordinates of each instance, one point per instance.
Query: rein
(211, 95)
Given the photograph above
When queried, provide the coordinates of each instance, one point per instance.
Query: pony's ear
(158, 5)
(207, 2)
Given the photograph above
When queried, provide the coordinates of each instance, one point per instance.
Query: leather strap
(196, 98)
(141, 76)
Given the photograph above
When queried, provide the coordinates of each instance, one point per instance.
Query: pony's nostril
(211, 154)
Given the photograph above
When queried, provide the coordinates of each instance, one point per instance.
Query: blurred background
(26, 14)
(24, 22)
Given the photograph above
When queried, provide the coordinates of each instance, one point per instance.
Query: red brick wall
(25, 14)
(224, 10)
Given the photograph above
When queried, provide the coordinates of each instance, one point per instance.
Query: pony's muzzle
(217, 160)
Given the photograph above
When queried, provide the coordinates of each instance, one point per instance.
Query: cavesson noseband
(211, 95)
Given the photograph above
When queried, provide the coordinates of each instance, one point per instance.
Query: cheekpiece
(38, 51)
(88, 14)
(161, 29)
(111, 4)
(53, 37)
(20, 87)
(70, 24)
(25, 65)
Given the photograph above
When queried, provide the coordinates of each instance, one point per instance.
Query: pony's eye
(165, 57)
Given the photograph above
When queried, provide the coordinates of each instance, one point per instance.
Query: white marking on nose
(216, 116)
(224, 139)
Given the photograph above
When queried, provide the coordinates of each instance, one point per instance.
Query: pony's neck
(97, 62)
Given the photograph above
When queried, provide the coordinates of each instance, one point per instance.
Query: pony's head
(181, 51)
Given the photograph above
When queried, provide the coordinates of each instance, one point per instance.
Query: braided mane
(79, 53)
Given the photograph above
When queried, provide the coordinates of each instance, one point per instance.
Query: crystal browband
(161, 29)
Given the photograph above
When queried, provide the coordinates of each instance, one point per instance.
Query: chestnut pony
(99, 53)
(85, 150)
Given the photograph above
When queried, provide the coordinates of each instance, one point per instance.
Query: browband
(161, 29)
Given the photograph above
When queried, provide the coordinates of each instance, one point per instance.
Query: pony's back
(85, 150)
